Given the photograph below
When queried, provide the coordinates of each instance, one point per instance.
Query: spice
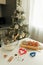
(10, 59)
(15, 54)
(5, 55)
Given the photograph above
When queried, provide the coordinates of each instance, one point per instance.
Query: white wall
(26, 5)
(2, 1)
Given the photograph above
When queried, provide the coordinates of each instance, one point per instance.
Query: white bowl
(10, 46)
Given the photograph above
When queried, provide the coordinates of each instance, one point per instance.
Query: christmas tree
(18, 18)
(17, 30)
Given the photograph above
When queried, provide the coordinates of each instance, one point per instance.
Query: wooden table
(28, 60)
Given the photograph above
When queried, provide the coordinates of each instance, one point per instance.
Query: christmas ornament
(22, 51)
(32, 54)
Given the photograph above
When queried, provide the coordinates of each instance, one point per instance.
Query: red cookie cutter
(22, 51)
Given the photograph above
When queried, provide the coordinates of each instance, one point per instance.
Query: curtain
(36, 20)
